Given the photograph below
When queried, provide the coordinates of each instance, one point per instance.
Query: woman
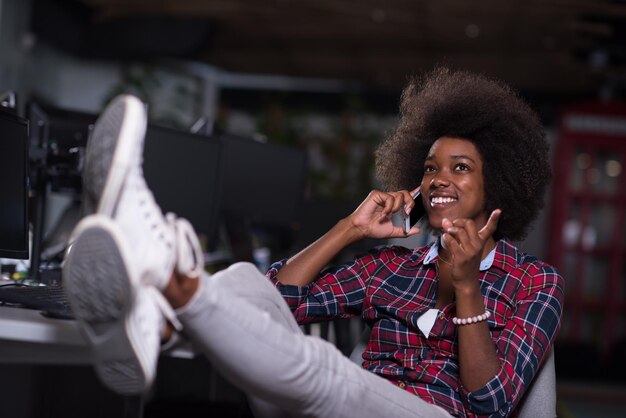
(459, 327)
(478, 154)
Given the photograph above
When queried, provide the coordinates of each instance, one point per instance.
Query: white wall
(68, 82)
(29, 67)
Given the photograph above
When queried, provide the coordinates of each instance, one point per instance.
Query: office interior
(269, 114)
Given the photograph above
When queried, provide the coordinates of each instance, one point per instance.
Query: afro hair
(506, 131)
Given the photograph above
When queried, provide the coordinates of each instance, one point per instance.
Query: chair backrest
(540, 398)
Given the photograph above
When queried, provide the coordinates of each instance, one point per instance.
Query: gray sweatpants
(242, 324)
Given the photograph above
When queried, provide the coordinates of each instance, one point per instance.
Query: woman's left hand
(465, 245)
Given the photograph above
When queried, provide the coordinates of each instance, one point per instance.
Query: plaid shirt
(391, 287)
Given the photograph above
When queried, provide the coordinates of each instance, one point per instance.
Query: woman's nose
(439, 180)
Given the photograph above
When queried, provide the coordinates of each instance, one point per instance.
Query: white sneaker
(120, 319)
(113, 185)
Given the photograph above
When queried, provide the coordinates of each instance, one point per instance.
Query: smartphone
(417, 213)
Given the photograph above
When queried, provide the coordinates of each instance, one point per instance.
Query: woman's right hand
(372, 218)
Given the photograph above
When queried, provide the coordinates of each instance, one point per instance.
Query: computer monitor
(13, 186)
(262, 182)
(58, 138)
(183, 171)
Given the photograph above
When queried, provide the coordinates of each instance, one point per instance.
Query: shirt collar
(433, 253)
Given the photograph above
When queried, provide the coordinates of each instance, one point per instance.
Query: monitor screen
(263, 182)
(183, 171)
(13, 186)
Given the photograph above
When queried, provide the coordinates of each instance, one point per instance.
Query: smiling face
(453, 186)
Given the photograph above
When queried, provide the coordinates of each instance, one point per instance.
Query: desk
(46, 372)
(28, 337)
(32, 347)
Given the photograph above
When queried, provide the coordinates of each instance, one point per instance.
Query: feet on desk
(121, 257)
(116, 302)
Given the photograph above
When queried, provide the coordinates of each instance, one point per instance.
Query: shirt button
(402, 385)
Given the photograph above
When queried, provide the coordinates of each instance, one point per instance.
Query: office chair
(540, 398)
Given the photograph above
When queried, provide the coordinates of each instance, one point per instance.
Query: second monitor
(183, 170)
(262, 182)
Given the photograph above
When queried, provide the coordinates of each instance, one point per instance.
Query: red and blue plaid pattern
(391, 287)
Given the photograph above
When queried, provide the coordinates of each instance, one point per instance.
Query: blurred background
(324, 77)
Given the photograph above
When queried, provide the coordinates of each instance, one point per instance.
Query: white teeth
(440, 200)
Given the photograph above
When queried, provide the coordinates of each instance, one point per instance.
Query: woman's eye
(461, 167)
(429, 169)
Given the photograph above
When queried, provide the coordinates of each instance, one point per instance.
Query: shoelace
(165, 307)
(189, 256)
(149, 208)
(189, 261)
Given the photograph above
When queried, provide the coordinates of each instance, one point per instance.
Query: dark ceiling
(559, 48)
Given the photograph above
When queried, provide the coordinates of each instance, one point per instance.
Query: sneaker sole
(115, 146)
(100, 290)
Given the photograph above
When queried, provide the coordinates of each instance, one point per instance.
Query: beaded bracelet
(471, 319)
